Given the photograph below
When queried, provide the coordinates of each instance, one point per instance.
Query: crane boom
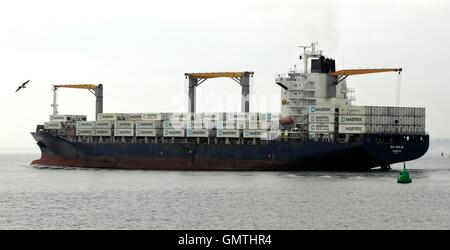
(218, 74)
(97, 90)
(348, 72)
(77, 86)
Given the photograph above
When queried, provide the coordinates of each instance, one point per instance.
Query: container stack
(321, 121)
(381, 120)
(328, 120)
(180, 125)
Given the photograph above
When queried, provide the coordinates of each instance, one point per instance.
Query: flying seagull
(22, 86)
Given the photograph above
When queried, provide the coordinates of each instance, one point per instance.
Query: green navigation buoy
(404, 176)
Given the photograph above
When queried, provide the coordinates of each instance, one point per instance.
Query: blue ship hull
(370, 152)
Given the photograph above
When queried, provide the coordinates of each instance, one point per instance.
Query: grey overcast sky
(140, 51)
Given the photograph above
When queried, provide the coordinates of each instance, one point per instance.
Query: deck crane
(343, 74)
(97, 90)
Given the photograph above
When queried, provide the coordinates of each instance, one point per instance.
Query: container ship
(318, 128)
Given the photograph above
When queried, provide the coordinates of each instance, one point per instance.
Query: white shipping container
(252, 124)
(148, 132)
(174, 124)
(353, 110)
(52, 125)
(263, 117)
(102, 132)
(321, 110)
(150, 124)
(123, 132)
(103, 124)
(228, 133)
(154, 116)
(85, 124)
(230, 116)
(352, 119)
(321, 127)
(253, 116)
(133, 117)
(209, 124)
(107, 117)
(198, 132)
(197, 124)
(321, 118)
(255, 133)
(220, 125)
(124, 124)
(352, 129)
(230, 124)
(84, 132)
(241, 116)
(173, 132)
(67, 118)
(241, 124)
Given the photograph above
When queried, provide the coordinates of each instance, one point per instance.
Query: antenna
(313, 53)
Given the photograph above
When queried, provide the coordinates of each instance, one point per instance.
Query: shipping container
(321, 127)
(220, 125)
(53, 125)
(102, 132)
(174, 133)
(124, 124)
(241, 116)
(209, 124)
(231, 117)
(253, 116)
(230, 124)
(84, 132)
(85, 124)
(174, 124)
(150, 124)
(107, 117)
(252, 124)
(352, 129)
(148, 132)
(354, 110)
(419, 112)
(321, 109)
(321, 118)
(103, 124)
(197, 124)
(198, 132)
(352, 119)
(255, 133)
(67, 118)
(228, 133)
(123, 132)
(133, 116)
(154, 116)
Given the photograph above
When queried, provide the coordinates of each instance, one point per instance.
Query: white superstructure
(313, 86)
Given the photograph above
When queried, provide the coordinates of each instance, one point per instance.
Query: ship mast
(307, 54)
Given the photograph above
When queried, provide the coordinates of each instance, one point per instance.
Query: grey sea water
(62, 198)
